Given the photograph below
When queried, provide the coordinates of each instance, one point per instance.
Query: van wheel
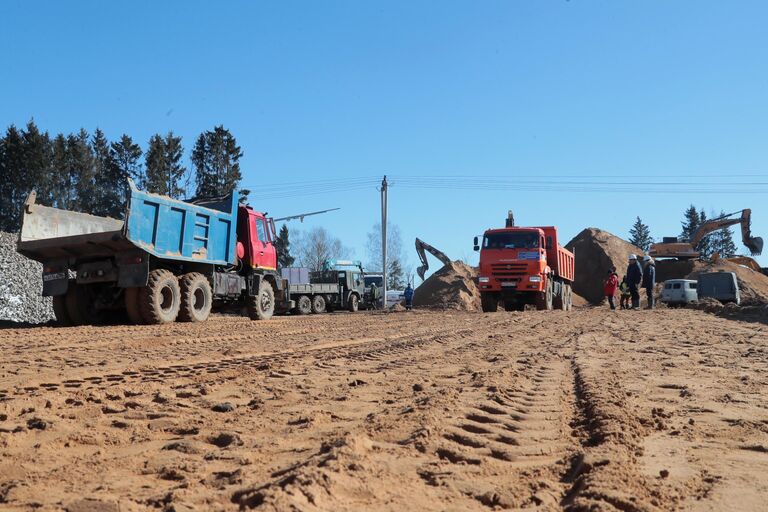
(160, 300)
(262, 305)
(354, 303)
(318, 304)
(304, 305)
(60, 310)
(196, 298)
(132, 307)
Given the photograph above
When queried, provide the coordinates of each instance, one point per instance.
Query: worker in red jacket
(610, 285)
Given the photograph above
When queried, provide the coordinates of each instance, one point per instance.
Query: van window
(668, 286)
(676, 286)
(692, 286)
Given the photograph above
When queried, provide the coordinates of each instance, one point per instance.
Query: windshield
(379, 280)
(516, 240)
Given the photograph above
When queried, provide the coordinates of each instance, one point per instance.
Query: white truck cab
(678, 292)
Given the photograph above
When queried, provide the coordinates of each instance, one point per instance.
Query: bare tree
(316, 246)
(397, 262)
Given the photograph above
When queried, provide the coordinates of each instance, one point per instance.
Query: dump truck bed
(164, 227)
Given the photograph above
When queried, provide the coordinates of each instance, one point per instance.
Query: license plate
(511, 284)
(54, 277)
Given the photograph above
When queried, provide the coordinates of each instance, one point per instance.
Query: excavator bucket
(755, 245)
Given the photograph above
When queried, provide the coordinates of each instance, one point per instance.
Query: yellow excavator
(672, 248)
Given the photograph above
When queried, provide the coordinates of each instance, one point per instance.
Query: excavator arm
(423, 246)
(754, 244)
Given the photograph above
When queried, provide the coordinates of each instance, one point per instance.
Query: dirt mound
(452, 287)
(596, 252)
(752, 285)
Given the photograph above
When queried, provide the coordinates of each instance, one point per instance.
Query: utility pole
(384, 240)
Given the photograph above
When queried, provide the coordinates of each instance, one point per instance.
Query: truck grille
(501, 270)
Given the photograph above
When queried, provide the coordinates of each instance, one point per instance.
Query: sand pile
(596, 252)
(452, 287)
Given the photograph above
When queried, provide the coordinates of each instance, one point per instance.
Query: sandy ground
(410, 411)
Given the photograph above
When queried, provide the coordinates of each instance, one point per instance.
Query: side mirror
(476, 245)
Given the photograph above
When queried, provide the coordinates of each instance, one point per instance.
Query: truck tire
(80, 305)
(318, 304)
(196, 298)
(569, 295)
(489, 302)
(561, 301)
(160, 300)
(353, 304)
(60, 310)
(132, 308)
(262, 305)
(544, 299)
(304, 305)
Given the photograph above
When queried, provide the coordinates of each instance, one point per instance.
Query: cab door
(264, 254)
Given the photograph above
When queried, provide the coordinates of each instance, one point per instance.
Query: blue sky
(626, 92)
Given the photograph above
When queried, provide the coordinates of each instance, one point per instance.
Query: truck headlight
(482, 279)
(535, 279)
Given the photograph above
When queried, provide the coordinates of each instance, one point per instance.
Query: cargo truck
(524, 265)
(339, 285)
(168, 260)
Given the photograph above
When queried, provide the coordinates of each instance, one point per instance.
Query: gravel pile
(20, 285)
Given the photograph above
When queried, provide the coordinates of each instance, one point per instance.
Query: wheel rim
(166, 296)
(266, 301)
(198, 300)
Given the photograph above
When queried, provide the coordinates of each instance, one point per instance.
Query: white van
(678, 292)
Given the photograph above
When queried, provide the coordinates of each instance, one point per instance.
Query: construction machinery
(671, 247)
(168, 260)
(421, 247)
(524, 265)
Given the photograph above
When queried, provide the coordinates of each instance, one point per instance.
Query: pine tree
(283, 248)
(705, 244)
(721, 242)
(108, 184)
(690, 224)
(125, 159)
(81, 167)
(13, 180)
(395, 276)
(640, 235)
(63, 194)
(164, 172)
(216, 159)
(37, 163)
(5, 196)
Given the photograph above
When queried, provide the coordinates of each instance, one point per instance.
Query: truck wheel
(318, 304)
(196, 298)
(160, 300)
(544, 299)
(132, 307)
(354, 303)
(304, 305)
(561, 301)
(60, 310)
(262, 305)
(80, 300)
(510, 305)
(489, 303)
(569, 297)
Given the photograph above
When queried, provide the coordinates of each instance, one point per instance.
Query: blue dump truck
(168, 260)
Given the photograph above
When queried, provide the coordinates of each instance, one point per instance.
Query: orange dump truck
(524, 265)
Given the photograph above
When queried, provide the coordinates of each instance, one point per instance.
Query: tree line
(718, 242)
(88, 173)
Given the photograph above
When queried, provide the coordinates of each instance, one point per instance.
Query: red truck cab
(524, 265)
(256, 233)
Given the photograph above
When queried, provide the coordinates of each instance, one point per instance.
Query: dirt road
(424, 411)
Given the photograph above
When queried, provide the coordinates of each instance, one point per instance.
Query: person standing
(610, 285)
(624, 291)
(634, 278)
(408, 294)
(374, 294)
(649, 279)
